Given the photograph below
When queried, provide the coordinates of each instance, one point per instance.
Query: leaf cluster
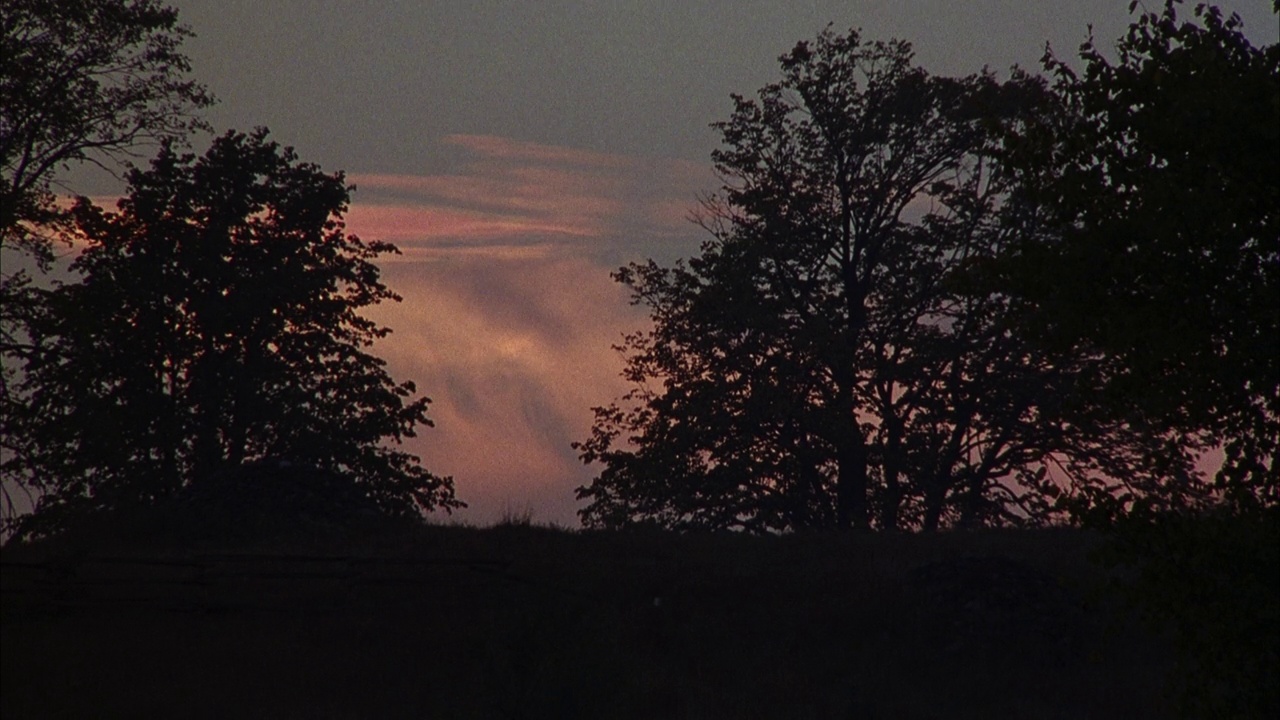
(1158, 178)
(85, 80)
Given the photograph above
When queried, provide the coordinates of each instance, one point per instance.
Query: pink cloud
(416, 225)
(507, 190)
(524, 151)
(513, 354)
(510, 315)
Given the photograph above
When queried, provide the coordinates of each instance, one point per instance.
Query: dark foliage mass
(940, 301)
(529, 622)
(1209, 581)
(826, 360)
(264, 500)
(80, 80)
(1159, 180)
(217, 323)
(83, 80)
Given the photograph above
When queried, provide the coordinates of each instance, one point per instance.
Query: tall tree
(218, 322)
(819, 363)
(80, 80)
(1158, 183)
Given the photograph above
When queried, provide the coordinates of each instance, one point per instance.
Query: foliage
(269, 499)
(217, 323)
(83, 80)
(80, 80)
(822, 362)
(1158, 184)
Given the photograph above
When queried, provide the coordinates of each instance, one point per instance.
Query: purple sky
(519, 151)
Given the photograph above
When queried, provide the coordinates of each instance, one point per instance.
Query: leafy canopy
(1158, 182)
(821, 362)
(217, 323)
(80, 80)
(83, 80)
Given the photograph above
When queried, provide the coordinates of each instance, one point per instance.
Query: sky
(517, 152)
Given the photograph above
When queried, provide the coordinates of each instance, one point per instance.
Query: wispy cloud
(509, 315)
(513, 353)
(508, 192)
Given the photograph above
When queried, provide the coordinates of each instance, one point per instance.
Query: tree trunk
(205, 396)
(851, 477)
(971, 510)
(934, 500)
(892, 502)
(850, 445)
(892, 470)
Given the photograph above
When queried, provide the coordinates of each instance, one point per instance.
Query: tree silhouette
(80, 80)
(83, 80)
(822, 362)
(217, 323)
(1158, 184)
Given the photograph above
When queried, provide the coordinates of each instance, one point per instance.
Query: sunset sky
(517, 152)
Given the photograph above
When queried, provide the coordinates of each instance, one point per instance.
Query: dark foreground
(526, 622)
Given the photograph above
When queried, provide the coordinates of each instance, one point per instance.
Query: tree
(84, 80)
(1157, 180)
(821, 362)
(80, 80)
(1158, 185)
(217, 323)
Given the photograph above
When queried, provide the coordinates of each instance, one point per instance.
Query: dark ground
(528, 622)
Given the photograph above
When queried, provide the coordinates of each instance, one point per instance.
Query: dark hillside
(528, 622)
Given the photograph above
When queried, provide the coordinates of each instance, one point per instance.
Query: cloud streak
(508, 192)
(509, 314)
